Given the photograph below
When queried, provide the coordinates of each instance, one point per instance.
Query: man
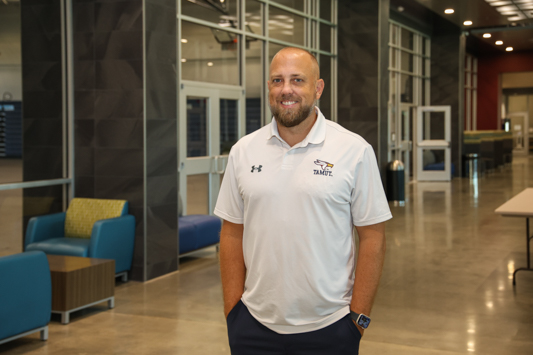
(291, 195)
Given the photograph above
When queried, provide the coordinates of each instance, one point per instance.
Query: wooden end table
(79, 283)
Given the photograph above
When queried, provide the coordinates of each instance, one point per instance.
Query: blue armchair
(25, 296)
(91, 228)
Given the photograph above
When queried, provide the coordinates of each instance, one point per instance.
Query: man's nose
(287, 88)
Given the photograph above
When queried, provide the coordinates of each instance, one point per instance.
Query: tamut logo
(325, 168)
(254, 168)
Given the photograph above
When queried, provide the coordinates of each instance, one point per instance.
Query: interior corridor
(446, 287)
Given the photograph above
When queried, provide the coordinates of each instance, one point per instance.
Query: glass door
(433, 137)
(210, 116)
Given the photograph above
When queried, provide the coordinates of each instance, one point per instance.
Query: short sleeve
(368, 201)
(230, 205)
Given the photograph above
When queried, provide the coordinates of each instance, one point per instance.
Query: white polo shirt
(298, 206)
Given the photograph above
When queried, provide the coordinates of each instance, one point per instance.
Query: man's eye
(298, 80)
(276, 81)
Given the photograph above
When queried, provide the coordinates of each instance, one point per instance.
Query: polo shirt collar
(317, 134)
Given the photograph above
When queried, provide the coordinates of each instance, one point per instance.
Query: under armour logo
(258, 168)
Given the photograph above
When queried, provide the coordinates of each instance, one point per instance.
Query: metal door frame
(438, 144)
(405, 146)
(525, 150)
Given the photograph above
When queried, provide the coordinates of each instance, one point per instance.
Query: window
(409, 74)
(211, 50)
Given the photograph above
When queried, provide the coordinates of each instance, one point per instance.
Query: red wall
(489, 70)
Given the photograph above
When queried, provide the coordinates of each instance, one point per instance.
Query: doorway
(433, 139)
(211, 117)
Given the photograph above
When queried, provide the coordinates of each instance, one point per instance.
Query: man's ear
(319, 88)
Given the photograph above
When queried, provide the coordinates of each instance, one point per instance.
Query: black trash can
(396, 183)
(471, 166)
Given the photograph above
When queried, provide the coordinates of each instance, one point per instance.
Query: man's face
(293, 87)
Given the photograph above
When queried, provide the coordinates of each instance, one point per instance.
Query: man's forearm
(371, 254)
(232, 268)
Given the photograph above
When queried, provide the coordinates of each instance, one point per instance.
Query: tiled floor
(446, 287)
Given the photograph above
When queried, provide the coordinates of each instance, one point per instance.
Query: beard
(290, 117)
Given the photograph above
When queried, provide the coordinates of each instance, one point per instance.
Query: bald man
(292, 193)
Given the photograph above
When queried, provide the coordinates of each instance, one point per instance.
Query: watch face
(363, 321)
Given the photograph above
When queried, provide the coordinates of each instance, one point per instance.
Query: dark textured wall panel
(445, 85)
(112, 131)
(161, 138)
(108, 72)
(362, 69)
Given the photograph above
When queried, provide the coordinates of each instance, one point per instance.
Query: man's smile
(288, 103)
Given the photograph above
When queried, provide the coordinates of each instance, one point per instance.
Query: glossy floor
(446, 287)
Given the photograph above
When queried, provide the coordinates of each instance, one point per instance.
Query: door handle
(216, 165)
(216, 158)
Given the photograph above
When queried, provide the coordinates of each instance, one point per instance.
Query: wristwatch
(360, 319)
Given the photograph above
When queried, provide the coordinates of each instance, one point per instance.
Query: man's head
(294, 86)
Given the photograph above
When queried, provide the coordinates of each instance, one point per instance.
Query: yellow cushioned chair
(93, 228)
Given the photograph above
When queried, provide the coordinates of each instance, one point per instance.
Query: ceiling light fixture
(209, 64)
(514, 10)
(499, 43)
(184, 40)
(183, 60)
(467, 23)
(487, 35)
(509, 49)
(449, 11)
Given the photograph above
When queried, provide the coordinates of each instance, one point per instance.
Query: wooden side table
(79, 283)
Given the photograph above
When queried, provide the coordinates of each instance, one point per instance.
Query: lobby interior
(113, 116)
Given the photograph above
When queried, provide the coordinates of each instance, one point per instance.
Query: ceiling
(510, 21)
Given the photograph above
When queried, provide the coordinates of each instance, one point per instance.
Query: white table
(520, 206)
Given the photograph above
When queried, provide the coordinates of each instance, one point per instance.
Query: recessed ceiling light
(487, 35)
(183, 60)
(499, 43)
(184, 40)
(467, 23)
(449, 11)
(509, 49)
(209, 64)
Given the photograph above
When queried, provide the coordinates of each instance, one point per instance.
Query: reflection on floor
(446, 287)
(10, 170)
(198, 194)
(10, 208)
(10, 222)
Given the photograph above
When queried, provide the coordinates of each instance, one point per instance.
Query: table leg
(111, 302)
(65, 317)
(528, 240)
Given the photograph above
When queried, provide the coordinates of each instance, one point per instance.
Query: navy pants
(249, 337)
